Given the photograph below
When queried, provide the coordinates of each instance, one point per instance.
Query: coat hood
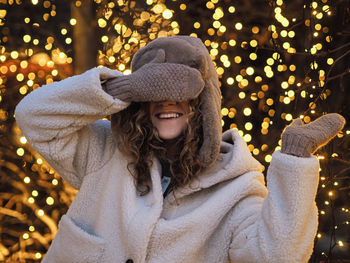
(234, 160)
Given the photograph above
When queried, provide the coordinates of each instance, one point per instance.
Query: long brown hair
(139, 140)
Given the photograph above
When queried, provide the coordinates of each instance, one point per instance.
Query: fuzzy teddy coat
(227, 214)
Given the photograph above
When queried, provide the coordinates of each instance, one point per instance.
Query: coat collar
(234, 160)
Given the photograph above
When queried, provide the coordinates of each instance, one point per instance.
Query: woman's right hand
(157, 82)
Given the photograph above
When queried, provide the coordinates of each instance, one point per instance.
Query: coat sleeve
(280, 227)
(61, 122)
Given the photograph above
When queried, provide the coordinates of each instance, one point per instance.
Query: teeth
(168, 115)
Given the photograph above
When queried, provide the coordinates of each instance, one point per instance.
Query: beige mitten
(157, 82)
(302, 140)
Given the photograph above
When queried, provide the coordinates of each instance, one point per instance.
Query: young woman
(160, 183)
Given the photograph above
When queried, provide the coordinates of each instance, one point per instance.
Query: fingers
(157, 82)
(170, 81)
(331, 121)
(302, 140)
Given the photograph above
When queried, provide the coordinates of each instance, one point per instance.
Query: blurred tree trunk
(84, 36)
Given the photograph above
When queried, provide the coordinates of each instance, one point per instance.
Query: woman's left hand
(302, 140)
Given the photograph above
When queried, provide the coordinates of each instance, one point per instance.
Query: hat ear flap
(211, 123)
(146, 56)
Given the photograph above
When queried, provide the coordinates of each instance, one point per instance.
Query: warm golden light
(167, 14)
(238, 26)
(73, 21)
(247, 111)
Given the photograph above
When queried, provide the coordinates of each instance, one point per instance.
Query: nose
(167, 103)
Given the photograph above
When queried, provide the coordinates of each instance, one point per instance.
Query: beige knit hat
(191, 51)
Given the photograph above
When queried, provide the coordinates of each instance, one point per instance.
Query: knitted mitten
(157, 82)
(304, 139)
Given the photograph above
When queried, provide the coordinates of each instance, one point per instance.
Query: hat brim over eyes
(192, 52)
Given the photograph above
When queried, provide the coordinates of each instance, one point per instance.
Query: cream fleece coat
(227, 214)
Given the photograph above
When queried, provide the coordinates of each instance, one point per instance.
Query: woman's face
(169, 118)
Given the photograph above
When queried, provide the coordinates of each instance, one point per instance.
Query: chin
(169, 136)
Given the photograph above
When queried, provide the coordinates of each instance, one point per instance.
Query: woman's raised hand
(302, 140)
(157, 82)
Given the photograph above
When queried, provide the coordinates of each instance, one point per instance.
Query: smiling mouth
(168, 116)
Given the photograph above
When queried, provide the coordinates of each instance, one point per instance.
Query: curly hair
(139, 140)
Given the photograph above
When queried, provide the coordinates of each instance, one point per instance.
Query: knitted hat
(191, 51)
